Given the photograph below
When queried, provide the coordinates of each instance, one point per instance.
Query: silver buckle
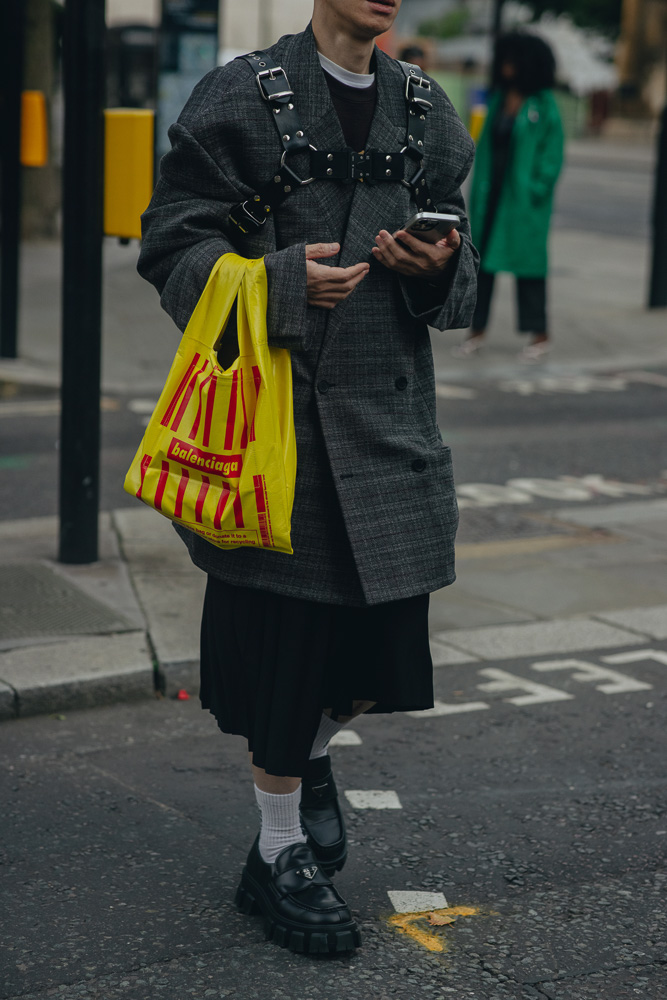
(422, 83)
(269, 73)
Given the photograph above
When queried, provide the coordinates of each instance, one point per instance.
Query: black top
(355, 107)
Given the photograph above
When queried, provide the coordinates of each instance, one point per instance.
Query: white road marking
(445, 708)
(614, 682)
(406, 901)
(44, 407)
(454, 392)
(489, 495)
(636, 656)
(574, 384)
(537, 694)
(345, 738)
(142, 406)
(372, 799)
(573, 489)
(648, 378)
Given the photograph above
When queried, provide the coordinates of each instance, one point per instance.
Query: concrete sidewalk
(127, 626)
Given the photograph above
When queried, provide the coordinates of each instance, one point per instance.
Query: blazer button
(401, 382)
(419, 465)
(323, 385)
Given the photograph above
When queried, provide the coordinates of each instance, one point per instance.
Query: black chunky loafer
(321, 818)
(302, 911)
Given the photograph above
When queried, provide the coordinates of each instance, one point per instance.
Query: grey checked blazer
(375, 511)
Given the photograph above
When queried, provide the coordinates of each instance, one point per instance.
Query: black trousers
(531, 301)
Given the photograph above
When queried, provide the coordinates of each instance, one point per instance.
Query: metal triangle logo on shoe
(309, 873)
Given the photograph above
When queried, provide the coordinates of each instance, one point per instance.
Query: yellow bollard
(34, 141)
(477, 119)
(128, 169)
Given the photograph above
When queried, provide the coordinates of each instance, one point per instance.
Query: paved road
(541, 814)
(532, 427)
(606, 191)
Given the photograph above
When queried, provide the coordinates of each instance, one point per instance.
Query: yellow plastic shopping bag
(219, 453)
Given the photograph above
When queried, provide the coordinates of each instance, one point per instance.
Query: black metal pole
(12, 31)
(497, 27)
(84, 82)
(658, 286)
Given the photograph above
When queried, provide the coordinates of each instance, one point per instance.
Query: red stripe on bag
(208, 420)
(178, 509)
(244, 432)
(145, 462)
(199, 506)
(259, 493)
(195, 427)
(262, 513)
(169, 412)
(186, 398)
(258, 382)
(231, 413)
(222, 503)
(238, 511)
(162, 482)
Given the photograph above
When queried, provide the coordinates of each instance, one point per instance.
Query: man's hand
(327, 286)
(415, 258)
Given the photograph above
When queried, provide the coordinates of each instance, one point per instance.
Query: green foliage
(449, 25)
(605, 15)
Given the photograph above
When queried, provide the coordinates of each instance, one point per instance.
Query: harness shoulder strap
(346, 165)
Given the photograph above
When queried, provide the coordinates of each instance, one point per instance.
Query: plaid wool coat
(375, 511)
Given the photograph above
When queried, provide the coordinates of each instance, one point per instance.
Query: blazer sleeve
(185, 230)
(449, 302)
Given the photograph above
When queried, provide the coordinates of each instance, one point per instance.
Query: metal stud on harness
(371, 167)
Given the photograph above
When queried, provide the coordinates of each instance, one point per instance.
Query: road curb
(78, 673)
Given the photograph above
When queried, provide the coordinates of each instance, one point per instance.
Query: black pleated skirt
(270, 664)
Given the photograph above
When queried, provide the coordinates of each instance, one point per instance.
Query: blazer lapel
(383, 205)
(320, 124)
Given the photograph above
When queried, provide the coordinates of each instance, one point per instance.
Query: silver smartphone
(431, 226)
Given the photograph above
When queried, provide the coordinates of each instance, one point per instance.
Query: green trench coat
(518, 240)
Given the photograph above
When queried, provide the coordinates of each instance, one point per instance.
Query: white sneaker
(534, 352)
(469, 347)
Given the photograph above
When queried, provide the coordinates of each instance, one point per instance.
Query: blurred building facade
(642, 55)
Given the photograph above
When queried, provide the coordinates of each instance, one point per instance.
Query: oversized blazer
(375, 511)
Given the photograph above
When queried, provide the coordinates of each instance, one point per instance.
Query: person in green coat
(519, 157)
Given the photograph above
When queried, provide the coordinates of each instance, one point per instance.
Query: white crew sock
(328, 728)
(281, 823)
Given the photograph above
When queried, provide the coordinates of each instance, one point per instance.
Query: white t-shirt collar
(359, 80)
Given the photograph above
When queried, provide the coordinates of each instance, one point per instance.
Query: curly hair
(532, 59)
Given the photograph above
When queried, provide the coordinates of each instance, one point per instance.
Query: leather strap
(417, 92)
(371, 166)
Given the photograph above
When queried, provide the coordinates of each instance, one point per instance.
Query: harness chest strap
(371, 166)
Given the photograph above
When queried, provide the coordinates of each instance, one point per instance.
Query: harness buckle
(270, 75)
(243, 219)
(414, 83)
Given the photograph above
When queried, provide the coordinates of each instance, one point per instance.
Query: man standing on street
(311, 155)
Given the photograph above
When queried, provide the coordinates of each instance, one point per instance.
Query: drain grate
(35, 601)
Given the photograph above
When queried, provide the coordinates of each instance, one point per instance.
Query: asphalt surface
(129, 825)
(497, 435)
(542, 822)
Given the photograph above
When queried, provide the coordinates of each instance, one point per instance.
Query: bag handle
(215, 302)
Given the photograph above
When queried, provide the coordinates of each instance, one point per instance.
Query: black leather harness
(372, 166)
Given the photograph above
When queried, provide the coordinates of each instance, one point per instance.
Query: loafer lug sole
(250, 899)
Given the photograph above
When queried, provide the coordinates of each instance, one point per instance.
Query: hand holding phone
(431, 226)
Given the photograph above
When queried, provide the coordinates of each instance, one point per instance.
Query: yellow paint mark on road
(418, 926)
(526, 546)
